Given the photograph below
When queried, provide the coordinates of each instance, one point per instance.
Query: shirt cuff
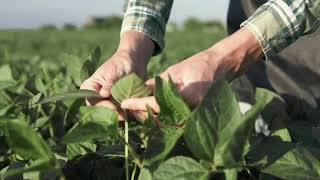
(275, 26)
(148, 21)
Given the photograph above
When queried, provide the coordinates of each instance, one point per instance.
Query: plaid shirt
(276, 24)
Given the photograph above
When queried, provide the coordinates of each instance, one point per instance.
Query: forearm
(235, 54)
(137, 46)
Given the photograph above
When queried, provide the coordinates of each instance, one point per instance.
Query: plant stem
(6, 97)
(28, 92)
(126, 148)
(134, 172)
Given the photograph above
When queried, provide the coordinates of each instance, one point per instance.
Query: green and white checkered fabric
(276, 24)
(148, 16)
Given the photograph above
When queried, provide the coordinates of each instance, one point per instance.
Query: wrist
(137, 46)
(236, 53)
(135, 50)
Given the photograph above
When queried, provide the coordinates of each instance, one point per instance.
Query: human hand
(193, 76)
(133, 54)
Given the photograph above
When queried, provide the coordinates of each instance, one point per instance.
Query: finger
(140, 104)
(171, 75)
(106, 85)
(140, 116)
(91, 85)
(113, 107)
(151, 83)
(165, 75)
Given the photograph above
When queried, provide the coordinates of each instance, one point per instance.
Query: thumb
(151, 83)
(90, 85)
(105, 91)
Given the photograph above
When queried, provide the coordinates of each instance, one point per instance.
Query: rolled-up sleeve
(278, 23)
(149, 17)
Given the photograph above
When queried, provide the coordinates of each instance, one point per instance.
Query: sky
(34, 13)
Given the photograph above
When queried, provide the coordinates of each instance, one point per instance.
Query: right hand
(128, 59)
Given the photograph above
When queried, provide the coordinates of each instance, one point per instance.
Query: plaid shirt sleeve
(149, 17)
(278, 23)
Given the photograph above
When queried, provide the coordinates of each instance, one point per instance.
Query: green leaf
(35, 99)
(82, 93)
(89, 66)
(74, 150)
(26, 142)
(4, 109)
(87, 69)
(95, 56)
(35, 85)
(29, 145)
(95, 122)
(173, 110)
(32, 175)
(216, 130)
(267, 152)
(179, 168)
(231, 174)
(72, 112)
(3, 128)
(130, 86)
(263, 176)
(212, 125)
(41, 121)
(73, 64)
(306, 135)
(37, 165)
(283, 134)
(160, 144)
(40, 86)
(145, 174)
(287, 161)
(6, 78)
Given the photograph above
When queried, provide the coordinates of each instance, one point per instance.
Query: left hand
(227, 59)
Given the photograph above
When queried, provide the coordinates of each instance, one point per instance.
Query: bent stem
(126, 148)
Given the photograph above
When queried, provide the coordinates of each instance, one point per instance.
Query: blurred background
(36, 13)
(42, 34)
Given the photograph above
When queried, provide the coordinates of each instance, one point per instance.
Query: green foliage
(95, 122)
(285, 160)
(78, 149)
(196, 24)
(90, 65)
(216, 130)
(27, 144)
(160, 144)
(104, 22)
(82, 93)
(173, 110)
(180, 167)
(69, 27)
(46, 131)
(6, 79)
(145, 174)
(130, 86)
(48, 27)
